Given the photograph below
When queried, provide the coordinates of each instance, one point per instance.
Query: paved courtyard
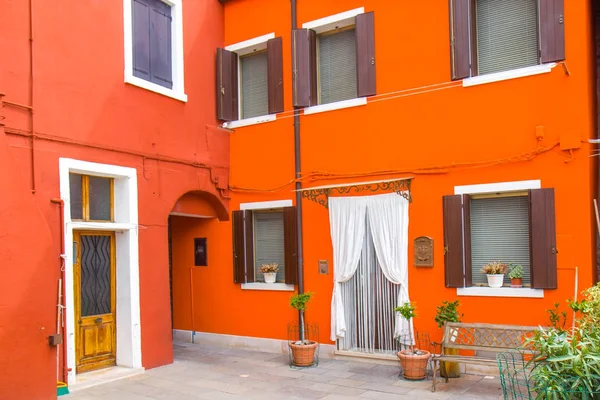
(203, 372)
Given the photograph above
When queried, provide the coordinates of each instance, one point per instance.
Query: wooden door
(95, 300)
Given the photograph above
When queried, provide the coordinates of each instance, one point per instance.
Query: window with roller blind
(512, 227)
(254, 94)
(264, 236)
(499, 232)
(489, 36)
(336, 52)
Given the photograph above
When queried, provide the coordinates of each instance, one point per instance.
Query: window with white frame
(154, 46)
(269, 246)
(336, 53)
(254, 92)
(499, 232)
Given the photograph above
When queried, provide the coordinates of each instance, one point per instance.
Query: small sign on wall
(200, 252)
(323, 267)
(423, 253)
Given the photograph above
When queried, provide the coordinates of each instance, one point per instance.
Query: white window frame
(499, 187)
(241, 49)
(266, 205)
(177, 59)
(327, 24)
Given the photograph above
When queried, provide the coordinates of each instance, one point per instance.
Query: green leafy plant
(448, 312)
(299, 302)
(516, 272)
(408, 311)
(494, 268)
(558, 318)
(588, 308)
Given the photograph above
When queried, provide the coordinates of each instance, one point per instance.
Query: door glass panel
(95, 275)
(76, 196)
(100, 200)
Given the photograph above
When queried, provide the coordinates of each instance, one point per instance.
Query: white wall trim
(283, 287)
(338, 105)
(177, 53)
(498, 187)
(251, 45)
(250, 121)
(331, 22)
(506, 75)
(261, 205)
(129, 345)
(481, 291)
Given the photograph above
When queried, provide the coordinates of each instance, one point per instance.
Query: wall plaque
(423, 252)
(323, 267)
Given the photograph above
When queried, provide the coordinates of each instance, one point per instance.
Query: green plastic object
(61, 389)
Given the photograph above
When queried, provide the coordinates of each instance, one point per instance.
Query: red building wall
(82, 109)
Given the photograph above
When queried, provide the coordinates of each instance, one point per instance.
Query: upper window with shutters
(493, 36)
(154, 46)
(334, 61)
(498, 222)
(250, 81)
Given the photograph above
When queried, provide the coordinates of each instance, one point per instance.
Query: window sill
(359, 101)
(153, 87)
(251, 121)
(506, 75)
(483, 291)
(282, 287)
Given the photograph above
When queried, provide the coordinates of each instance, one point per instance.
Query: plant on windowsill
(414, 361)
(495, 273)
(448, 312)
(303, 351)
(516, 276)
(269, 271)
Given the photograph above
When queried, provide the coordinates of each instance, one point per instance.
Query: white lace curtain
(388, 220)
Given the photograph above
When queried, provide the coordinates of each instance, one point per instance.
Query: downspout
(61, 205)
(33, 189)
(298, 169)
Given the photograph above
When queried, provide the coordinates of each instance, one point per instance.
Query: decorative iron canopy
(320, 194)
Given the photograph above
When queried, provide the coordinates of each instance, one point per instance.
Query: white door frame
(129, 345)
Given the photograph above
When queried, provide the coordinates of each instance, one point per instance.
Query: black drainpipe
(297, 170)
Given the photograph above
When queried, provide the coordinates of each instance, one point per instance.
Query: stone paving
(203, 372)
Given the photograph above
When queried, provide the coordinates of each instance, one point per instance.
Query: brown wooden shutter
(365, 54)
(459, 38)
(239, 255)
(552, 30)
(227, 85)
(304, 42)
(290, 245)
(275, 75)
(453, 243)
(542, 239)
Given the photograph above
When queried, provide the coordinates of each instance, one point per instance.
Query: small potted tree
(414, 361)
(448, 312)
(516, 276)
(269, 272)
(303, 351)
(495, 273)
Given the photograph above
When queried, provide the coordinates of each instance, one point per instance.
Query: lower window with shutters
(268, 243)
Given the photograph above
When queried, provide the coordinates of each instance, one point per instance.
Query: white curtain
(347, 219)
(388, 220)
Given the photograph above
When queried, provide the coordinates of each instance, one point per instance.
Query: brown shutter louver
(227, 85)
(290, 245)
(459, 38)
(304, 42)
(275, 75)
(552, 30)
(239, 256)
(542, 239)
(453, 241)
(365, 54)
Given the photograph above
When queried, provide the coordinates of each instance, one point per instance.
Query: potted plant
(414, 361)
(303, 351)
(516, 276)
(448, 312)
(495, 273)
(269, 271)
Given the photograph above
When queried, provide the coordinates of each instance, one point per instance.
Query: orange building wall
(406, 134)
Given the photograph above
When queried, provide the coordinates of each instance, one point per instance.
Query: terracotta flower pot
(303, 354)
(414, 367)
(516, 282)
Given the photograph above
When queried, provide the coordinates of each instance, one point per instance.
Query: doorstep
(101, 376)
